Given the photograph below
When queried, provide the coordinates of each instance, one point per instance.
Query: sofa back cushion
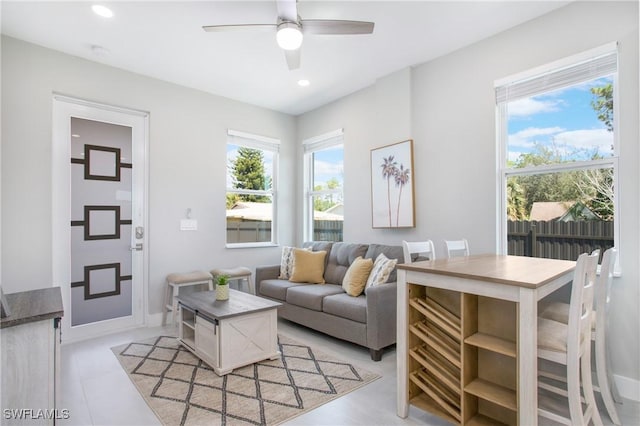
(392, 252)
(319, 246)
(341, 257)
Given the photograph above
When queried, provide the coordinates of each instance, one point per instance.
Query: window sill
(250, 245)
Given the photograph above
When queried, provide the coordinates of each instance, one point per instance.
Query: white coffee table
(229, 334)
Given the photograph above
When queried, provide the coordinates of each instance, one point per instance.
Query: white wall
(376, 116)
(450, 111)
(187, 164)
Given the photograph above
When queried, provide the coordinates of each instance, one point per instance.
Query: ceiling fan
(290, 29)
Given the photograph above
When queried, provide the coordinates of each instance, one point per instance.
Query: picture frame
(392, 186)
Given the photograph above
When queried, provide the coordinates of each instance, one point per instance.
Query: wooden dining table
(480, 286)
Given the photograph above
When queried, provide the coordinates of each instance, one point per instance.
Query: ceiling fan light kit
(289, 36)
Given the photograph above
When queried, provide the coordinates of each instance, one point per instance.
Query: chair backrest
(603, 288)
(581, 304)
(413, 249)
(457, 248)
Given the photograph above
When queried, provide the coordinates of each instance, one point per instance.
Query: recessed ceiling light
(303, 83)
(103, 11)
(75, 135)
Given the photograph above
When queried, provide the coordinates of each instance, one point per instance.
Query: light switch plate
(188, 225)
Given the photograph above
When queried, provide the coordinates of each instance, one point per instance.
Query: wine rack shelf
(462, 357)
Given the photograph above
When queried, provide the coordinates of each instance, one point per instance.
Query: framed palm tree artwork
(392, 189)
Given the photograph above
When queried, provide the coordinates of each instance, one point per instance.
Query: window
(558, 157)
(252, 164)
(324, 183)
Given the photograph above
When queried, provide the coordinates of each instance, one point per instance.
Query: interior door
(99, 220)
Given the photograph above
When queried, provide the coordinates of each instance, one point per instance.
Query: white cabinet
(30, 346)
(229, 334)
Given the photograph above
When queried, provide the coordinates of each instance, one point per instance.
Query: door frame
(65, 107)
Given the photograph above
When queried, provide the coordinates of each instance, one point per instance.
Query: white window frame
(264, 143)
(311, 145)
(536, 81)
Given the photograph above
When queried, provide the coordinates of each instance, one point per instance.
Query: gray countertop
(34, 305)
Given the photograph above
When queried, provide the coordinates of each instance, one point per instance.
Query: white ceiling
(165, 40)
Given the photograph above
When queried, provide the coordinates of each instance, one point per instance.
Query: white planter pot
(222, 292)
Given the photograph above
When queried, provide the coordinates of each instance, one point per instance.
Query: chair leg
(167, 292)
(607, 386)
(252, 289)
(573, 389)
(174, 305)
(585, 364)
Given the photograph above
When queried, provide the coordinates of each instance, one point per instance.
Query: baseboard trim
(155, 320)
(628, 388)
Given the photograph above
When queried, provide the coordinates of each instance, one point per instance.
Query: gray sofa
(368, 320)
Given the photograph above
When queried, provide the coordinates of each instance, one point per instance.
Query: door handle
(138, 247)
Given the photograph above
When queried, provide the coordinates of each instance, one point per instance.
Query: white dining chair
(457, 248)
(569, 345)
(418, 250)
(559, 311)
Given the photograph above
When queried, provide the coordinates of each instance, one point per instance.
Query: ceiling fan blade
(240, 27)
(287, 10)
(335, 27)
(293, 58)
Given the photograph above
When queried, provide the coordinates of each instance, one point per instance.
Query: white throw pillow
(382, 268)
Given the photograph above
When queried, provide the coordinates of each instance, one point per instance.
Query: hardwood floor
(96, 390)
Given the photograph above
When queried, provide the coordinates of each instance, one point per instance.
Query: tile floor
(97, 391)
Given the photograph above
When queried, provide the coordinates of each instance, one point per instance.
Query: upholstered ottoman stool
(239, 274)
(174, 283)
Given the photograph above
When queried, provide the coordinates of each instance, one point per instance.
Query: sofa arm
(270, 272)
(381, 315)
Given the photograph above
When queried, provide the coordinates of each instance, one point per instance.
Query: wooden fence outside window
(558, 240)
(552, 239)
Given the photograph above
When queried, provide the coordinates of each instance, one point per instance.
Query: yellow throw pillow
(286, 263)
(356, 277)
(308, 266)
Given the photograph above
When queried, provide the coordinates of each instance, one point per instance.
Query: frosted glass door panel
(101, 224)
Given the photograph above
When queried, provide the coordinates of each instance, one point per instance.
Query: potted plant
(222, 287)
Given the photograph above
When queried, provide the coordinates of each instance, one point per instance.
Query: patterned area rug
(183, 390)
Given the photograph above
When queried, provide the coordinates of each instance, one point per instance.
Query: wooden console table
(467, 336)
(228, 334)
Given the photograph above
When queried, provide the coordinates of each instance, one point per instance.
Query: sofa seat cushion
(345, 306)
(277, 289)
(310, 295)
